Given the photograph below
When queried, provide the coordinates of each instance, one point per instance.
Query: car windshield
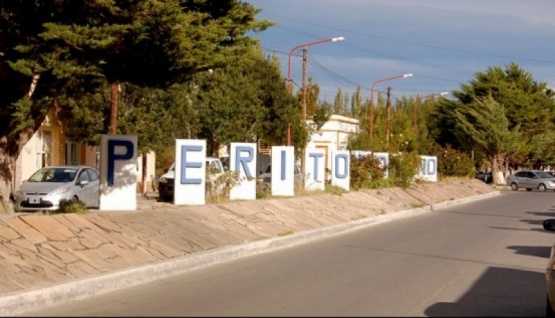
(543, 174)
(212, 167)
(54, 175)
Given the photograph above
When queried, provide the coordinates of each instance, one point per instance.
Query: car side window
(83, 176)
(532, 175)
(92, 174)
(216, 167)
(213, 167)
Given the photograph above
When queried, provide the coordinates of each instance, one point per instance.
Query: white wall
(333, 135)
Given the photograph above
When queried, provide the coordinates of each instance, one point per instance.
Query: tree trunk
(7, 170)
(495, 168)
(10, 147)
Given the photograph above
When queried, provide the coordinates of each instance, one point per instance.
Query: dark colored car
(487, 177)
(166, 182)
(265, 176)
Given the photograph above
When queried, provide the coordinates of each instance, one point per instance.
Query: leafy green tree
(403, 167)
(312, 93)
(358, 109)
(525, 109)
(380, 123)
(156, 116)
(245, 102)
(345, 111)
(318, 112)
(485, 124)
(423, 143)
(401, 132)
(452, 162)
(48, 46)
(338, 106)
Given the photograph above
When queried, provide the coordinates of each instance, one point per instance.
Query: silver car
(531, 179)
(48, 186)
(265, 176)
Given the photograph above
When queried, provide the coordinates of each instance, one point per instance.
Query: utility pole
(371, 119)
(303, 103)
(114, 109)
(414, 114)
(388, 122)
(290, 81)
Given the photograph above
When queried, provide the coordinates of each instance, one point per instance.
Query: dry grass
(453, 179)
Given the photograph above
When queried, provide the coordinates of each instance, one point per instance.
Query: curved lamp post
(417, 101)
(371, 119)
(304, 46)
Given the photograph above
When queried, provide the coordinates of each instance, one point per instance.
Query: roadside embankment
(59, 257)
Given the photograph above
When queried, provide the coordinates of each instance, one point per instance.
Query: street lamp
(304, 46)
(371, 119)
(417, 101)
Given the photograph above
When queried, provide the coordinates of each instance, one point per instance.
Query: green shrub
(263, 193)
(452, 162)
(381, 183)
(403, 168)
(364, 171)
(71, 206)
(217, 190)
(333, 189)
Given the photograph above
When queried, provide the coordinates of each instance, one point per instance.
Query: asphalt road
(483, 258)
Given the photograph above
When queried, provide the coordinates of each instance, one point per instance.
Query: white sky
(442, 42)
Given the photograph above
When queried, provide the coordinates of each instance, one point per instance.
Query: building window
(72, 153)
(44, 149)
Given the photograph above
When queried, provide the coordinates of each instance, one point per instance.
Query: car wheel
(542, 187)
(548, 309)
(514, 186)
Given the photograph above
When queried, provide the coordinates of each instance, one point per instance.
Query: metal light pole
(371, 116)
(304, 46)
(417, 101)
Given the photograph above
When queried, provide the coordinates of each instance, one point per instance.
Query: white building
(333, 135)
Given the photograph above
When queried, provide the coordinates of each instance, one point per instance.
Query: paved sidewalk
(47, 260)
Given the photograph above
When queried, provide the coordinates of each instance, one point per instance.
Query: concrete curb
(24, 301)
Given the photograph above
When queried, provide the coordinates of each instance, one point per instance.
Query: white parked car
(48, 186)
(166, 184)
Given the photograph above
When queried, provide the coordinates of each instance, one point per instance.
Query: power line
(402, 41)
